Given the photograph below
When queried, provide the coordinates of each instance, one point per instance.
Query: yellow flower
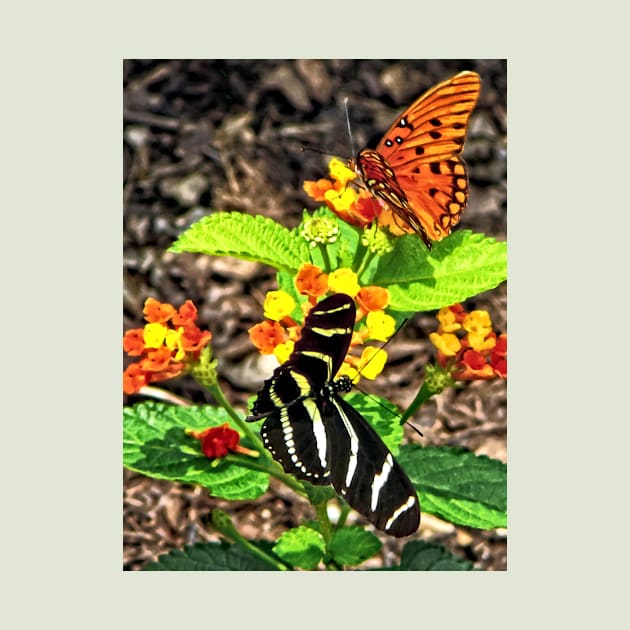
(448, 320)
(341, 201)
(350, 371)
(154, 334)
(380, 325)
(340, 172)
(344, 281)
(478, 323)
(448, 343)
(173, 340)
(278, 304)
(283, 351)
(372, 362)
(481, 343)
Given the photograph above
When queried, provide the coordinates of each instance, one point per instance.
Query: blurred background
(207, 135)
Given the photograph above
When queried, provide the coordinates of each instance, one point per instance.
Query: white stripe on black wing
(368, 478)
(320, 438)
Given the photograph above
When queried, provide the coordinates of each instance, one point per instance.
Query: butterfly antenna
(345, 104)
(404, 321)
(302, 149)
(414, 428)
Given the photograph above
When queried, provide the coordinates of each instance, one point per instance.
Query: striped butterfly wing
(294, 431)
(366, 474)
(320, 438)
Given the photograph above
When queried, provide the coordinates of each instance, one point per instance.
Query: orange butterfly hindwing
(416, 169)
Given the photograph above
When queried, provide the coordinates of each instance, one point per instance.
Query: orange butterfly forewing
(416, 169)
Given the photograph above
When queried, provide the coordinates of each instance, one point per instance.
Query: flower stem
(421, 397)
(324, 252)
(366, 258)
(270, 467)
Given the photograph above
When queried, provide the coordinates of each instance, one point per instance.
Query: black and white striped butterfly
(320, 438)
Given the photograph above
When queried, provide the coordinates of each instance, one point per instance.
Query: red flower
(219, 441)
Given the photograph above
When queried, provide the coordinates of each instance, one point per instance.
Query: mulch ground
(228, 135)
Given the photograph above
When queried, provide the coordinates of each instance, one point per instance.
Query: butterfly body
(319, 437)
(416, 170)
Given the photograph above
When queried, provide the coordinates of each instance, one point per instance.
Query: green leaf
(382, 415)
(353, 545)
(457, 485)
(349, 238)
(210, 557)
(155, 444)
(318, 494)
(419, 555)
(460, 266)
(301, 547)
(244, 236)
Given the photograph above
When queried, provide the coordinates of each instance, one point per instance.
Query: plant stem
(324, 252)
(345, 510)
(324, 521)
(270, 467)
(422, 396)
(365, 261)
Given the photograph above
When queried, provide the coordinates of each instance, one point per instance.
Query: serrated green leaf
(155, 444)
(353, 545)
(382, 415)
(419, 555)
(457, 485)
(247, 237)
(459, 267)
(210, 557)
(301, 547)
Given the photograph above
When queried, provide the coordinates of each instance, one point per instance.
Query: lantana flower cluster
(467, 345)
(354, 205)
(279, 332)
(168, 344)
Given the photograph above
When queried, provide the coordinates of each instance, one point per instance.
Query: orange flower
(134, 379)
(267, 335)
(311, 280)
(372, 298)
(316, 190)
(156, 312)
(193, 339)
(157, 360)
(165, 351)
(186, 314)
(133, 342)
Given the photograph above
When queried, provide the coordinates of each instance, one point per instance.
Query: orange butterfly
(416, 168)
